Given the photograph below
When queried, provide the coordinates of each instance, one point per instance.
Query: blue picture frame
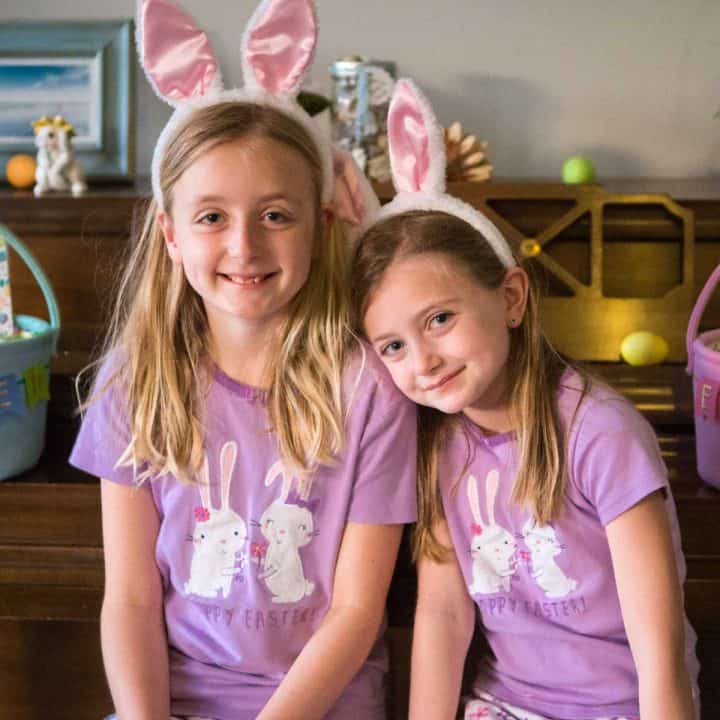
(86, 69)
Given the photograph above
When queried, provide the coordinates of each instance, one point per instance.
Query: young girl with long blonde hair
(544, 508)
(257, 464)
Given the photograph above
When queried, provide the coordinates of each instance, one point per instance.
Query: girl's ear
(165, 223)
(515, 290)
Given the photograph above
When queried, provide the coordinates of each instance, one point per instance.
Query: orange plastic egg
(20, 171)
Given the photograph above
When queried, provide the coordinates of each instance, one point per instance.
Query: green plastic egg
(578, 169)
(644, 348)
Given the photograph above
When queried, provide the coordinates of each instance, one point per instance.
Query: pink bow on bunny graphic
(417, 162)
(277, 50)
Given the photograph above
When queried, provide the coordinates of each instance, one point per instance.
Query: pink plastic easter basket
(703, 353)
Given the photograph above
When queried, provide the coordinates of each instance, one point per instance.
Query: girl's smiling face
(443, 337)
(242, 225)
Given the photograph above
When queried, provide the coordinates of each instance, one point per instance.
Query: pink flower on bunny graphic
(287, 525)
(492, 546)
(220, 534)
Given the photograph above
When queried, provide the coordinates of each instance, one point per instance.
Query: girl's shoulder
(613, 454)
(587, 406)
(366, 381)
(105, 377)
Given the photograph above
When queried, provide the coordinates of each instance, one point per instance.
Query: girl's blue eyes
(439, 319)
(210, 219)
(391, 348)
(275, 217)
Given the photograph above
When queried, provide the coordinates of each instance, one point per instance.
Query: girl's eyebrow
(290, 197)
(209, 198)
(420, 313)
(263, 199)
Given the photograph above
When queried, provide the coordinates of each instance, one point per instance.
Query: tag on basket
(12, 401)
(37, 385)
(6, 317)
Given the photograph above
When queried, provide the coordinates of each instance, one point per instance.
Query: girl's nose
(240, 242)
(426, 359)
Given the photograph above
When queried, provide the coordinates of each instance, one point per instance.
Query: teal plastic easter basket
(25, 376)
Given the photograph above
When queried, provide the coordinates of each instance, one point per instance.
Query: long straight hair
(158, 337)
(534, 368)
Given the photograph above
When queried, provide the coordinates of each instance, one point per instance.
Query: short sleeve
(104, 433)
(384, 491)
(616, 460)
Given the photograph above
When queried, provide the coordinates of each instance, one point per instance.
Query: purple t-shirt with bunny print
(247, 556)
(546, 595)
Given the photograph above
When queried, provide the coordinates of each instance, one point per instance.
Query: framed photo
(81, 71)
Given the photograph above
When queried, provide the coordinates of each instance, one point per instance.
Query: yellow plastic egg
(644, 348)
(20, 171)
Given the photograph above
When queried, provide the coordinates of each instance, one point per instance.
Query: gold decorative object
(530, 248)
(466, 160)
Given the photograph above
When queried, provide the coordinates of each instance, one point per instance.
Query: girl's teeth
(245, 281)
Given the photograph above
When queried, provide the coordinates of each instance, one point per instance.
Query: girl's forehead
(243, 167)
(259, 156)
(436, 268)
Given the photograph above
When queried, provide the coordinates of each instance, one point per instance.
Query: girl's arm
(341, 644)
(132, 628)
(649, 591)
(444, 624)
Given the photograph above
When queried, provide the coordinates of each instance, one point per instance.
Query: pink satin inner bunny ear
(408, 139)
(175, 54)
(279, 44)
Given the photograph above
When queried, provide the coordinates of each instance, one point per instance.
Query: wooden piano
(51, 569)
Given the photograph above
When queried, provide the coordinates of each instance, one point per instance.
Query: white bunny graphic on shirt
(219, 535)
(492, 546)
(544, 546)
(287, 526)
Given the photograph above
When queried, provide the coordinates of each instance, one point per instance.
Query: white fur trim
(405, 202)
(284, 103)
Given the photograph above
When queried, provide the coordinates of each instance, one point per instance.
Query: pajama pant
(172, 717)
(488, 707)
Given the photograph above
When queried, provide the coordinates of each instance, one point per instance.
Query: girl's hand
(342, 643)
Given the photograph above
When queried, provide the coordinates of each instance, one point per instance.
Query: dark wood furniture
(50, 539)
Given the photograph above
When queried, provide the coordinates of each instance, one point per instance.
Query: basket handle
(21, 249)
(696, 314)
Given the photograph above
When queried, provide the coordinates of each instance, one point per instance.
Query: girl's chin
(447, 408)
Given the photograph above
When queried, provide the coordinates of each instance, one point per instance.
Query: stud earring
(512, 322)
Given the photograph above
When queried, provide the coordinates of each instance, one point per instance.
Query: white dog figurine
(57, 169)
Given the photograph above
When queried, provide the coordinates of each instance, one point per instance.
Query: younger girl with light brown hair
(545, 513)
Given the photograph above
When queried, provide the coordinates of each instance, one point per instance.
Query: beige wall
(634, 84)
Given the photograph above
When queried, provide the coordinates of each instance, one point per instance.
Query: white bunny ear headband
(277, 49)
(417, 161)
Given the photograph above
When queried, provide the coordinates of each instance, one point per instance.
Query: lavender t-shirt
(247, 564)
(546, 595)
